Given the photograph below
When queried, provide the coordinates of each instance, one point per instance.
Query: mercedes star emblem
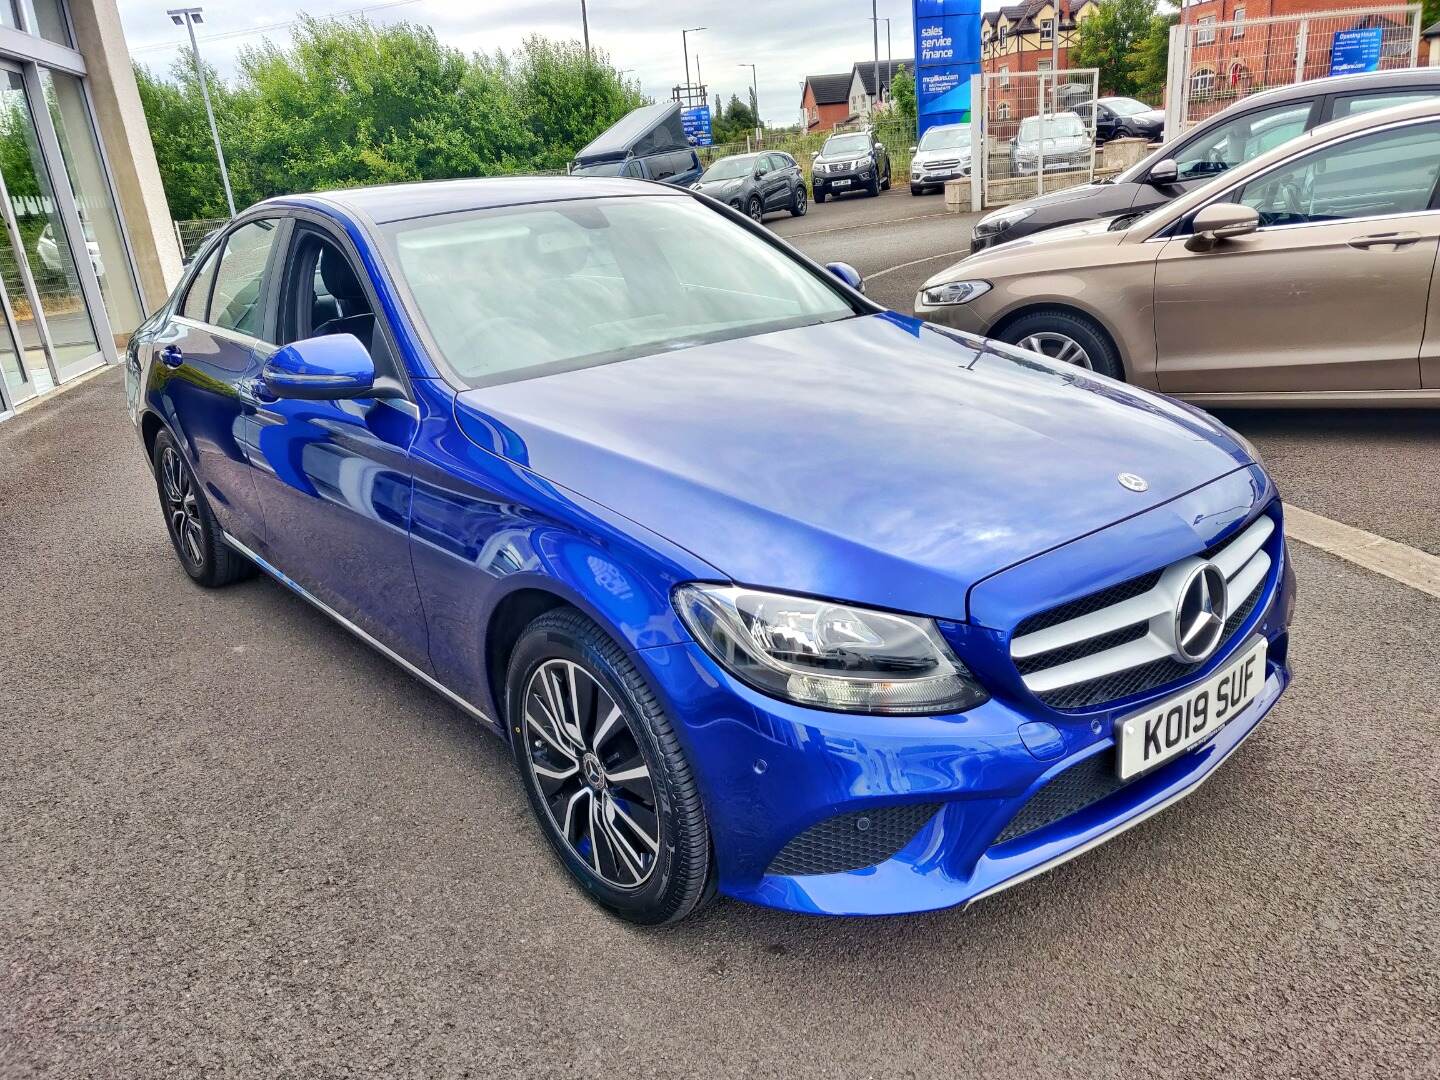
(1133, 482)
(1200, 614)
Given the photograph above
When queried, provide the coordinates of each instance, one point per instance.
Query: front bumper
(771, 772)
(842, 182)
(1067, 163)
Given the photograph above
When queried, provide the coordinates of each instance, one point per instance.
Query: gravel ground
(235, 842)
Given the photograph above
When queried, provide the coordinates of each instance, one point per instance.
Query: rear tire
(755, 209)
(1057, 333)
(194, 533)
(609, 782)
(885, 183)
(799, 202)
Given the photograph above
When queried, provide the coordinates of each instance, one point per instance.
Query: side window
(1386, 172)
(1354, 104)
(661, 166)
(325, 294)
(1238, 140)
(238, 301)
(198, 298)
(632, 168)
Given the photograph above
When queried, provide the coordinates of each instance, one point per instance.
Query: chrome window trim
(259, 345)
(1335, 140)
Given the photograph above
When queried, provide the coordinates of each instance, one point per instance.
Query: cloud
(786, 41)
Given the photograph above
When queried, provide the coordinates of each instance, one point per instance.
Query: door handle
(1385, 239)
(171, 356)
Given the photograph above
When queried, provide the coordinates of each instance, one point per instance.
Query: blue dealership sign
(1354, 51)
(947, 54)
(696, 121)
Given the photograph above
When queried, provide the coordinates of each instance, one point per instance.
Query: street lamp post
(685, 45)
(188, 17)
(889, 53)
(585, 27)
(754, 96)
(875, 27)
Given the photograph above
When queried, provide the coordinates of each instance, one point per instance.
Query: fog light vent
(852, 841)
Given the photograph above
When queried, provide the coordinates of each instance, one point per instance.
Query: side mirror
(759, 173)
(913, 149)
(325, 368)
(1221, 221)
(1164, 171)
(848, 274)
(814, 153)
(879, 146)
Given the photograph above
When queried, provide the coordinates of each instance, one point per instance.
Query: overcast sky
(785, 39)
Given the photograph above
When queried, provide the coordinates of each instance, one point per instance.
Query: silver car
(1067, 144)
(943, 154)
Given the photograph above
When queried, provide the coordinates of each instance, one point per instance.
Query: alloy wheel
(756, 210)
(1057, 347)
(800, 200)
(591, 773)
(182, 509)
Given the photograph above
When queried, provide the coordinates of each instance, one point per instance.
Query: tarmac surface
(236, 842)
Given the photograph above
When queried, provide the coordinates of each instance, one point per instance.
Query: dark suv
(850, 161)
(756, 184)
(1245, 130)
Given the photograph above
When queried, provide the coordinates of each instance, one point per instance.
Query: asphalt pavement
(236, 842)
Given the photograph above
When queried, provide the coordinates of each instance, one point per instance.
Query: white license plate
(1166, 730)
(839, 183)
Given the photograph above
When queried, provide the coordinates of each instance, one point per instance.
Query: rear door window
(1355, 104)
(238, 300)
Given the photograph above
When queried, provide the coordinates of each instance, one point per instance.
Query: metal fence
(1213, 64)
(896, 134)
(192, 234)
(1037, 131)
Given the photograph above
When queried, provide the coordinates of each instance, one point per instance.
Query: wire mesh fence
(192, 234)
(1217, 63)
(1038, 130)
(895, 133)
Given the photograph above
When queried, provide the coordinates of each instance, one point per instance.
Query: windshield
(528, 290)
(1126, 106)
(1057, 126)
(730, 168)
(846, 144)
(950, 137)
(605, 168)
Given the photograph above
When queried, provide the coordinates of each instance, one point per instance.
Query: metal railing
(1036, 132)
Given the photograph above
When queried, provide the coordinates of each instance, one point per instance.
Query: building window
(1043, 65)
(1001, 38)
(1004, 74)
(1002, 111)
(1202, 83)
(1047, 29)
(1205, 31)
(1238, 30)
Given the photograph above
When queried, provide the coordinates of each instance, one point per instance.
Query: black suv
(1245, 130)
(850, 161)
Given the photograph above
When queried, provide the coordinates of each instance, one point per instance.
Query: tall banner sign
(947, 53)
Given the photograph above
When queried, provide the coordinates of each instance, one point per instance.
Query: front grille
(852, 841)
(1073, 790)
(1119, 641)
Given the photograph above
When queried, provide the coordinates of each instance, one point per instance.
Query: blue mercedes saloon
(772, 592)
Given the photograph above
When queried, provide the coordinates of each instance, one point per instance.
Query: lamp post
(585, 27)
(754, 96)
(875, 27)
(188, 17)
(889, 53)
(685, 45)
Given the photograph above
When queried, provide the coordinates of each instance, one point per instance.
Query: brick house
(1022, 38)
(1229, 61)
(825, 101)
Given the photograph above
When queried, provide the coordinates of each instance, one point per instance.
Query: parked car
(942, 154)
(691, 523)
(648, 143)
(756, 184)
(1299, 277)
(1067, 144)
(1123, 118)
(850, 161)
(1246, 129)
(49, 253)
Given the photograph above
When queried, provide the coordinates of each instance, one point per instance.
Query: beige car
(1304, 276)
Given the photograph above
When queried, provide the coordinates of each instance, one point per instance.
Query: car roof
(1340, 84)
(398, 202)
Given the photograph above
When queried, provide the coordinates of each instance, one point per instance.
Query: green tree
(902, 93)
(183, 147)
(1150, 58)
(1107, 40)
(736, 122)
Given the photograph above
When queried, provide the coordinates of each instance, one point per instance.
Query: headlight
(954, 292)
(1001, 220)
(833, 655)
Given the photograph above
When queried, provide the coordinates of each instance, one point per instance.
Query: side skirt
(374, 643)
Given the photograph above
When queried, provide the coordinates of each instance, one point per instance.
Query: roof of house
(830, 89)
(866, 68)
(1021, 17)
(1433, 30)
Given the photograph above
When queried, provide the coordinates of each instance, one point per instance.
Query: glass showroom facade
(70, 291)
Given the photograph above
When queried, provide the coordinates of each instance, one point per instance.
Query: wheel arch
(1038, 307)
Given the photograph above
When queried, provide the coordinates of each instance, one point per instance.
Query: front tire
(604, 772)
(194, 533)
(1068, 337)
(819, 195)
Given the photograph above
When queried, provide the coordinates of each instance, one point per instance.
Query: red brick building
(1025, 38)
(825, 101)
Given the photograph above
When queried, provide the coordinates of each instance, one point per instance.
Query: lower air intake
(1073, 790)
(852, 841)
